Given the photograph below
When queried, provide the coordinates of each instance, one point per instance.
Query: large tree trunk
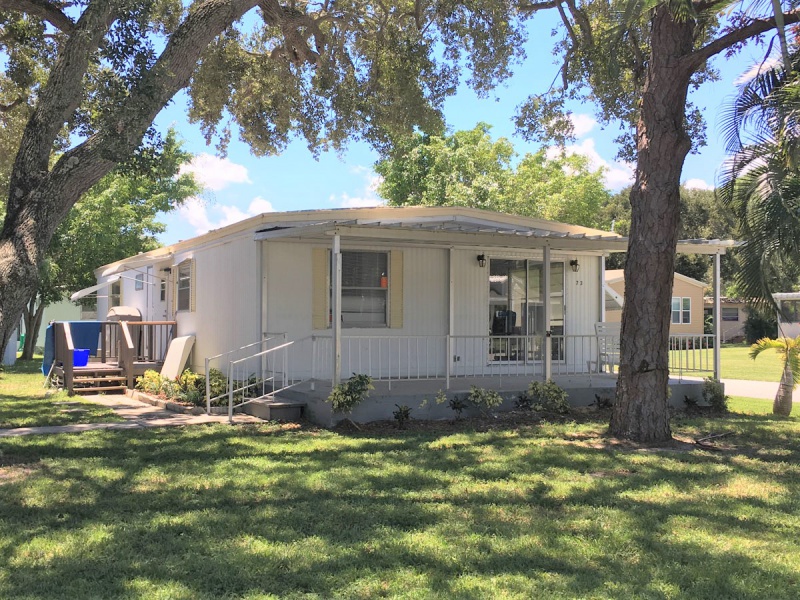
(640, 410)
(782, 405)
(39, 196)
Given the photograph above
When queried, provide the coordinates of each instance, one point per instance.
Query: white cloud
(204, 217)
(617, 174)
(582, 124)
(697, 184)
(368, 196)
(215, 173)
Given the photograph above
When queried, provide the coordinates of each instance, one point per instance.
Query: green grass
(25, 403)
(551, 511)
(737, 364)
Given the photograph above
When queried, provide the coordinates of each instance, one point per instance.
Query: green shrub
(548, 397)
(348, 394)
(150, 382)
(484, 400)
(714, 394)
(457, 404)
(218, 382)
(402, 415)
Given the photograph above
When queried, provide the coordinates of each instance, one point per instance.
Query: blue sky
(242, 185)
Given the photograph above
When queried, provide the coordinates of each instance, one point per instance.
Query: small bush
(714, 394)
(548, 397)
(218, 382)
(402, 415)
(457, 404)
(150, 382)
(348, 394)
(603, 402)
(523, 402)
(484, 400)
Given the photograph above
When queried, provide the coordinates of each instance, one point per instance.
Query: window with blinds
(365, 288)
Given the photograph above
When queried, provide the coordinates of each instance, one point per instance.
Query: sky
(241, 185)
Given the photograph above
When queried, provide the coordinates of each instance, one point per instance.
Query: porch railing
(390, 358)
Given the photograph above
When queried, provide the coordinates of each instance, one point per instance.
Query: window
(139, 284)
(365, 289)
(163, 295)
(115, 294)
(682, 310)
(185, 285)
(791, 311)
(730, 313)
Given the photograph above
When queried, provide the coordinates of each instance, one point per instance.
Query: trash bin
(80, 357)
(21, 342)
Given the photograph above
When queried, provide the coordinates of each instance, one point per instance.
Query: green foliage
(760, 324)
(457, 404)
(189, 387)
(468, 168)
(483, 399)
(402, 415)
(548, 396)
(714, 394)
(348, 394)
(218, 382)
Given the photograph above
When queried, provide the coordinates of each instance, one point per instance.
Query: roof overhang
(140, 261)
(470, 230)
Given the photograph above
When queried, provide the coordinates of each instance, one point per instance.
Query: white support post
(336, 325)
(548, 309)
(450, 318)
(717, 320)
(602, 272)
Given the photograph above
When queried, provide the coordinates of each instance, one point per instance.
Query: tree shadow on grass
(221, 512)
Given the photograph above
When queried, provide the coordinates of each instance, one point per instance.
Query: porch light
(575, 266)
(482, 260)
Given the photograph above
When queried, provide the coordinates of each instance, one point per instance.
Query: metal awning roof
(516, 232)
(94, 288)
(135, 262)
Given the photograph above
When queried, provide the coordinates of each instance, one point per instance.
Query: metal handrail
(232, 390)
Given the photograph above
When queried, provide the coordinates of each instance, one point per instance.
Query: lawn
(550, 511)
(737, 364)
(25, 403)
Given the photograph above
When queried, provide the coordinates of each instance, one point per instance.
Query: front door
(516, 309)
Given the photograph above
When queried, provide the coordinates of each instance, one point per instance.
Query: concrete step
(275, 410)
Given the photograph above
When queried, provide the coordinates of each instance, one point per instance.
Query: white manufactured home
(436, 294)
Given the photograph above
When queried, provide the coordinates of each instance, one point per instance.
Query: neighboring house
(734, 315)
(422, 293)
(789, 314)
(687, 302)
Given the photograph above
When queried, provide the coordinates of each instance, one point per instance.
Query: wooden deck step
(110, 378)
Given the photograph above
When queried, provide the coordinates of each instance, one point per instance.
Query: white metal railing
(226, 358)
(260, 375)
(389, 358)
(689, 353)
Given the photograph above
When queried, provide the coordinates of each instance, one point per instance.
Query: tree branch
(47, 11)
(4, 108)
(537, 6)
(756, 27)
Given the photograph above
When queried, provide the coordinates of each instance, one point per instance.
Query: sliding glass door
(516, 309)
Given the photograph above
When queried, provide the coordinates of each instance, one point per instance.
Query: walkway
(755, 389)
(137, 415)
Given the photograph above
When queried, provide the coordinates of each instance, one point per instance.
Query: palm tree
(789, 351)
(760, 181)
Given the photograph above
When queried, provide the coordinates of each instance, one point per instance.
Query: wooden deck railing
(123, 344)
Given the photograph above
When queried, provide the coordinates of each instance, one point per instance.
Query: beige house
(687, 302)
(734, 315)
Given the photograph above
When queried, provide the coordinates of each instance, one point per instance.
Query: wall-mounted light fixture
(482, 260)
(574, 265)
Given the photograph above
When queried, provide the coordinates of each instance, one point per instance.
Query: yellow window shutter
(193, 287)
(396, 289)
(319, 288)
